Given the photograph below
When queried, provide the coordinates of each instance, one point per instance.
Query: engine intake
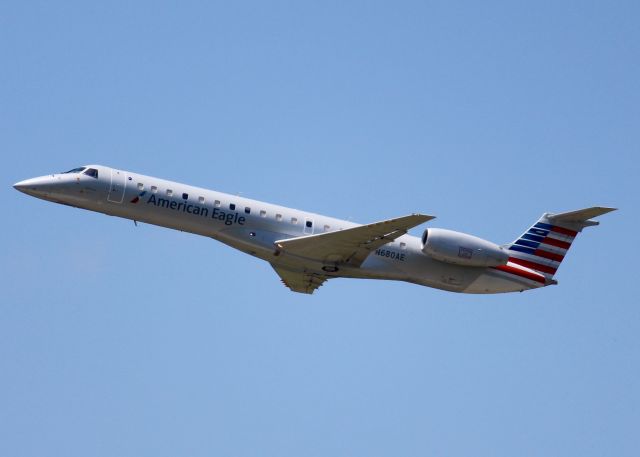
(462, 249)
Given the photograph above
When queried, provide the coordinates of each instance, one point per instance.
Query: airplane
(307, 249)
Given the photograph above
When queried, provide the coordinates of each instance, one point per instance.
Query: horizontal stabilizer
(580, 217)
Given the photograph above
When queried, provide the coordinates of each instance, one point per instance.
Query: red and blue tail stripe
(536, 255)
(522, 273)
(542, 248)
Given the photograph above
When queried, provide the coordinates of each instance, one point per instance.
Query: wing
(352, 245)
(298, 281)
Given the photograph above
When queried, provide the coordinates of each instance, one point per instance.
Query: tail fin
(543, 247)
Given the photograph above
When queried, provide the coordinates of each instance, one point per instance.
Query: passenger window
(92, 172)
(169, 193)
(154, 189)
(232, 206)
(201, 199)
(294, 220)
(278, 217)
(263, 213)
(309, 224)
(140, 186)
(185, 196)
(216, 203)
(403, 245)
(247, 210)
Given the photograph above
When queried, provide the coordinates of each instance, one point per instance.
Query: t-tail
(543, 247)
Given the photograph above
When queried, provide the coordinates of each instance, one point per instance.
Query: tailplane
(543, 247)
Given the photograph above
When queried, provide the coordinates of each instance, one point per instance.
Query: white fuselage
(253, 226)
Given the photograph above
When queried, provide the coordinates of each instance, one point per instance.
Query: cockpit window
(91, 172)
(75, 170)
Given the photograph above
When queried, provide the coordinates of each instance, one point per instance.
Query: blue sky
(129, 341)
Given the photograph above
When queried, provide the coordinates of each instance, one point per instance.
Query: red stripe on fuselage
(522, 273)
(533, 265)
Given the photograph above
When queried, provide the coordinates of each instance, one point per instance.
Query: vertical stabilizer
(544, 245)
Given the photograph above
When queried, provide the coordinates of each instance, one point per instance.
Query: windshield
(75, 170)
(91, 172)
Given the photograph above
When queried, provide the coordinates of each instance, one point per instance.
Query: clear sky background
(118, 340)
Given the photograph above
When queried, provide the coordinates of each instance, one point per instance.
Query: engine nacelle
(462, 249)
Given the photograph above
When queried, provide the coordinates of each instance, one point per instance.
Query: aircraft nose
(33, 186)
(22, 185)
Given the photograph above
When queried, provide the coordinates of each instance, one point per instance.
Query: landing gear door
(116, 189)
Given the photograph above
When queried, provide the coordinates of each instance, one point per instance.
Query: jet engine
(462, 249)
